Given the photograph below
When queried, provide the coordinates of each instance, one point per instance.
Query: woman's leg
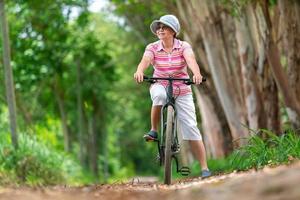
(199, 152)
(187, 118)
(155, 117)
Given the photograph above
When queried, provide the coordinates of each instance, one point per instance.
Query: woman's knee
(159, 99)
(161, 96)
(158, 94)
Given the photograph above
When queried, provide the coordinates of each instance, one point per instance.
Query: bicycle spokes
(160, 156)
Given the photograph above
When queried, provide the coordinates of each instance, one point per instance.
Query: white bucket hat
(169, 20)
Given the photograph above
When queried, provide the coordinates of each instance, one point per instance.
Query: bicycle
(168, 145)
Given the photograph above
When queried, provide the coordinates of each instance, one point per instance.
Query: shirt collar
(176, 45)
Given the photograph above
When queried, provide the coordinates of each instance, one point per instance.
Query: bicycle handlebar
(186, 81)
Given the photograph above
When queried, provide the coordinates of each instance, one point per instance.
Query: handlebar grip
(191, 82)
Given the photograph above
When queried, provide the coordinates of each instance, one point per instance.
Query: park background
(71, 113)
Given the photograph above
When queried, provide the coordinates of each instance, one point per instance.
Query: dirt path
(280, 183)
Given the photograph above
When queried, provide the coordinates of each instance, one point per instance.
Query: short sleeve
(187, 49)
(149, 52)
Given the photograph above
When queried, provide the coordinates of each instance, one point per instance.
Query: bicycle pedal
(150, 139)
(184, 171)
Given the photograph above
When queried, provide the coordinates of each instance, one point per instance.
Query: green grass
(257, 153)
(260, 152)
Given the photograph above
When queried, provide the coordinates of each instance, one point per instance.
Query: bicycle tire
(168, 146)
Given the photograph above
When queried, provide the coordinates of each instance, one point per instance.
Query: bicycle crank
(184, 171)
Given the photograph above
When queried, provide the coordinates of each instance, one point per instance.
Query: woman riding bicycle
(170, 57)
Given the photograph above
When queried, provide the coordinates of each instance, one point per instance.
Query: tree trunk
(80, 120)
(219, 66)
(290, 28)
(208, 92)
(273, 56)
(252, 94)
(105, 155)
(266, 82)
(60, 100)
(212, 134)
(9, 82)
(93, 146)
(271, 101)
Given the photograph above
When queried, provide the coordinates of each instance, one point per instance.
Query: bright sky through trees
(98, 5)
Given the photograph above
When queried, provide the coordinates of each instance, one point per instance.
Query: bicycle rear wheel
(168, 145)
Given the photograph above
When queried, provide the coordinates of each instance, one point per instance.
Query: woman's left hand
(197, 79)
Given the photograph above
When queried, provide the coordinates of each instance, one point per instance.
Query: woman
(171, 57)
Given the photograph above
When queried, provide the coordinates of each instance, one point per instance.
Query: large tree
(9, 82)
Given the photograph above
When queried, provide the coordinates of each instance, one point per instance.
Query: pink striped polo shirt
(170, 64)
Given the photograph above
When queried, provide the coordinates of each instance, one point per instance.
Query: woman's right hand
(138, 76)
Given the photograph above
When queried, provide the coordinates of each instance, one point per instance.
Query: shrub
(33, 163)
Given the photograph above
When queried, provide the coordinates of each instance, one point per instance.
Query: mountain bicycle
(168, 144)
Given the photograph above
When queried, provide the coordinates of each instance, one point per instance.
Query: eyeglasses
(162, 27)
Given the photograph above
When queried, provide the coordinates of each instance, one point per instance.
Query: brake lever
(191, 82)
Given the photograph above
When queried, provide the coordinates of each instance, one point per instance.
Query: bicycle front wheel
(168, 146)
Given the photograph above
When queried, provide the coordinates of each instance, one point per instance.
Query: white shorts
(186, 114)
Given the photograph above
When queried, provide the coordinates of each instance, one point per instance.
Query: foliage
(32, 163)
(259, 152)
(47, 44)
(139, 14)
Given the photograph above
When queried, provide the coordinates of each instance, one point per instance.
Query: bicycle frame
(174, 148)
(170, 99)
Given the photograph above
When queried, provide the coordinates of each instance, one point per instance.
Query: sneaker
(205, 173)
(151, 136)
